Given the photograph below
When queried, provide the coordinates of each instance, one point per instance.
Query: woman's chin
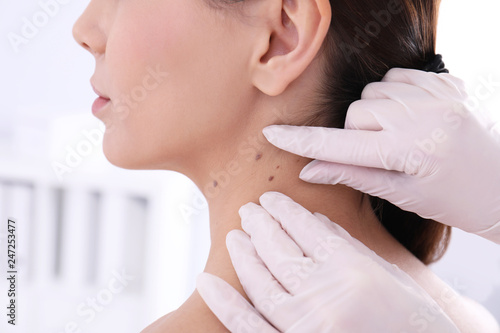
(122, 158)
(128, 159)
(123, 162)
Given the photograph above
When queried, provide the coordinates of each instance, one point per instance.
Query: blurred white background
(105, 249)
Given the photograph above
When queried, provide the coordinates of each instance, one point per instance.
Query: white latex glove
(304, 273)
(412, 141)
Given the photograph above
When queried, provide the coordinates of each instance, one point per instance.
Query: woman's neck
(241, 175)
(245, 177)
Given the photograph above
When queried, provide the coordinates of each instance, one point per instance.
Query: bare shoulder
(193, 316)
(483, 316)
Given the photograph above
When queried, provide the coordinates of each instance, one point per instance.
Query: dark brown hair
(366, 38)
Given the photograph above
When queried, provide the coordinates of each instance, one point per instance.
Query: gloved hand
(304, 273)
(412, 141)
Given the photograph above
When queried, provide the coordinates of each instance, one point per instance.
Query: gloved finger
(333, 226)
(230, 307)
(443, 83)
(364, 250)
(356, 147)
(277, 250)
(395, 187)
(311, 234)
(400, 92)
(373, 114)
(259, 284)
(385, 184)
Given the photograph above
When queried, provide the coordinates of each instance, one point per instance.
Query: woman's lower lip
(99, 103)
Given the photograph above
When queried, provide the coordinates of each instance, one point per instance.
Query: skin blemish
(271, 178)
(277, 167)
(258, 156)
(215, 183)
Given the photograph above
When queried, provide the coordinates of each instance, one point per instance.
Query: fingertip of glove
(210, 287)
(270, 132)
(267, 131)
(233, 237)
(270, 197)
(202, 280)
(207, 282)
(277, 134)
(309, 172)
(247, 210)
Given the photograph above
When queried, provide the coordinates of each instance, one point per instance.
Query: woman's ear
(295, 32)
